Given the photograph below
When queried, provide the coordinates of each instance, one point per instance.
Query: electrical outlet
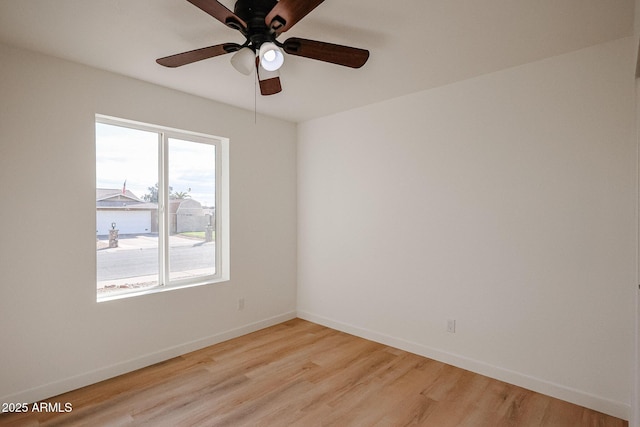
(451, 326)
(240, 304)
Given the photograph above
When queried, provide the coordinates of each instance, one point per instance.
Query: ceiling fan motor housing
(254, 12)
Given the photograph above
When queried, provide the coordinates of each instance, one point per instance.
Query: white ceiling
(414, 44)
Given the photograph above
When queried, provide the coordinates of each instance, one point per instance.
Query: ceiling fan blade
(269, 81)
(221, 13)
(270, 86)
(185, 58)
(327, 52)
(286, 13)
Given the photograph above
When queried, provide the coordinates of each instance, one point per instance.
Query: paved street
(138, 256)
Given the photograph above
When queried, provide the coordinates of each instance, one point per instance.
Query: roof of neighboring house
(189, 204)
(113, 198)
(108, 193)
(175, 204)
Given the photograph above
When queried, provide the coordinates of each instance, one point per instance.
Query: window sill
(159, 289)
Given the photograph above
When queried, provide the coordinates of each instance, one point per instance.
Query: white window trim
(223, 272)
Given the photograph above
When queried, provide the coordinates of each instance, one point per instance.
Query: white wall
(54, 336)
(506, 202)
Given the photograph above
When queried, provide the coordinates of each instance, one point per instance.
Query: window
(161, 208)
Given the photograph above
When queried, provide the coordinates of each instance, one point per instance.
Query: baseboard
(45, 391)
(578, 397)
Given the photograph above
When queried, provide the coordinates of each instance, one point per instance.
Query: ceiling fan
(261, 22)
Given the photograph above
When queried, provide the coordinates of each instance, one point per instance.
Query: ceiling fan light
(271, 56)
(244, 60)
(264, 74)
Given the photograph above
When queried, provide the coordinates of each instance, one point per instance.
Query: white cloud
(132, 155)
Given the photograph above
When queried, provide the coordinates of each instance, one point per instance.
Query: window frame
(222, 244)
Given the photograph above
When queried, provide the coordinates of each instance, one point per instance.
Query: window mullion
(163, 235)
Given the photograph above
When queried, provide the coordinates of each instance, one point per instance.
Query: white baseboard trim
(578, 397)
(55, 388)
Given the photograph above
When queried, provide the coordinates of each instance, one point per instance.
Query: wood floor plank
(301, 374)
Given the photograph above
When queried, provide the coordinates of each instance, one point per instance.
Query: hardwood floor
(302, 374)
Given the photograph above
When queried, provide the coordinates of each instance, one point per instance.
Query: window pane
(192, 188)
(126, 209)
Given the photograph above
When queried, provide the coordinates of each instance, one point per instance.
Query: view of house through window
(191, 209)
(155, 208)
